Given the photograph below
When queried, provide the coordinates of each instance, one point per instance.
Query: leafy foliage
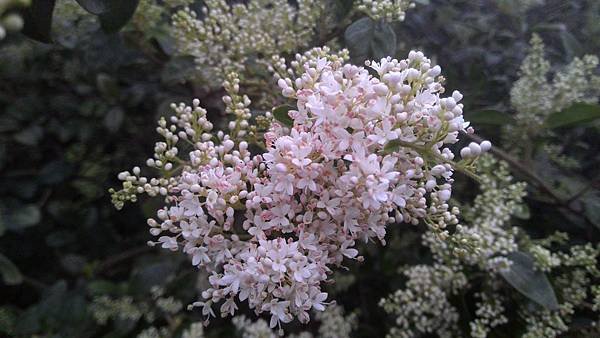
(78, 107)
(368, 39)
(522, 275)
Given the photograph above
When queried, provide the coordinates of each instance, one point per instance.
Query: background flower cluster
(80, 106)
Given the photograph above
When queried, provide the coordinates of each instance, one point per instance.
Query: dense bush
(84, 82)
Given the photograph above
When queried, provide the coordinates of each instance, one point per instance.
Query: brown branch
(120, 258)
(536, 181)
(526, 171)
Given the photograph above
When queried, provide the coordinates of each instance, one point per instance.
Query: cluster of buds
(475, 150)
(388, 10)
(352, 154)
(227, 38)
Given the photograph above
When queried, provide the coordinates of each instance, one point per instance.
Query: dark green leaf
(8, 320)
(383, 43)
(10, 273)
(74, 264)
(102, 287)
(576, 115)
(17, 218)
(570, 44)
(166, 41)
(55, 172)
(522, 212)
(107, 86)
(177, 70)
(591, 204)
(60, 238)
(38, 20)
(119, 14)
(367, 39)
(532, 283)
(391, 146)
(95, 7)
(280, 114)
(114, 119)
(358, 38)
(492, 117)
(29, 136)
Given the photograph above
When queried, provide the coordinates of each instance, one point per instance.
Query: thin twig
(121, 257)
(513, 162)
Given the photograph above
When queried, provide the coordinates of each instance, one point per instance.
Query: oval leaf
(532, 283)
(367, 39)
(118, 15)
(577, 114)
(95, 7)
(10, 273)
(383, 43)
(358, 38)
(391, 146)
(18, 218)
(280, 113)
(113, 119)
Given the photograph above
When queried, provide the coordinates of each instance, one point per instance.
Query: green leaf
(73, 264)
(532, 283)
(177, 69)
(55, 172)
(591, 203)
(391, 146)
(17, 218)
(114, 119)
(108, 86)
(358, 38)
(95, 7)
(384, 41)
(489, 116)
(280, 113)
(576, 115)
(367, 39)
(570, 44)
(38, 20)
(30, 136)
(10, 273)
(102, 287)
(522, 212)
(119, 14)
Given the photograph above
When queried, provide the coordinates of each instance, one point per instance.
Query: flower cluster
(353, 153)
(151, 13)
(534, 97)
(227, 38)
(11, 22)
(389, 10)
(428, 303)
(333, 324)
(423, 307)
(489, 218)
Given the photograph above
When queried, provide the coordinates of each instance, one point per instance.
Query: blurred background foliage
(80, 107)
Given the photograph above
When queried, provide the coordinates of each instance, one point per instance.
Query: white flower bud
(485, 145)
(444, 195)
(475, 149)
